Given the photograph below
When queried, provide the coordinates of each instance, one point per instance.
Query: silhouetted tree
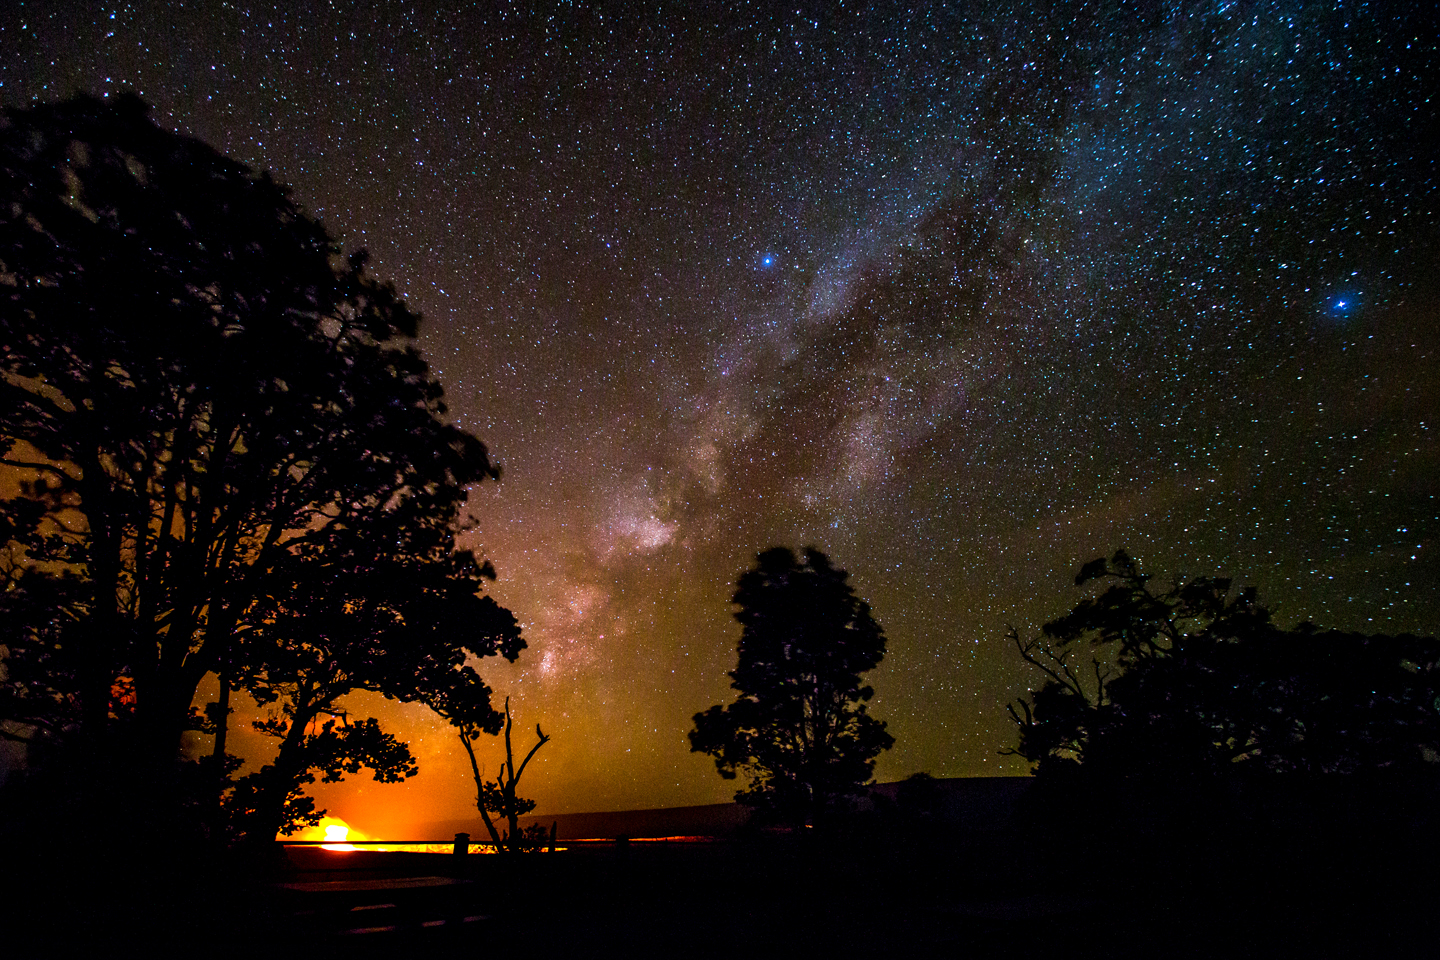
(383, 623)
(38, 705)
(200, 399)
(271, 800)
(497, 796)
(799, 728)
(1194, 683)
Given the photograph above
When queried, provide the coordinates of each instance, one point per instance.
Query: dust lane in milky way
(963, 298)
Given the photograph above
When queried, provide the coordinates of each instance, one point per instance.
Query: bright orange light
(337, 833)
(333, 832)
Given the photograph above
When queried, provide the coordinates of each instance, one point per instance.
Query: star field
(964, 297)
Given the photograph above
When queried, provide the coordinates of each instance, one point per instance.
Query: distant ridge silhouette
(980, 804)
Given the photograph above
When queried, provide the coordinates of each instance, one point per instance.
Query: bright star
(1343, 305)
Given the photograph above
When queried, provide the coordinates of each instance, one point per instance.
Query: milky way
(962, 298)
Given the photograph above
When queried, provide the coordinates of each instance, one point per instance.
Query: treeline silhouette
(1191, 693)
(1249, 789)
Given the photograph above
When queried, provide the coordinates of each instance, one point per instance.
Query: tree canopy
(219, 433)
(799, 728)
(1194, 682)
(397, 612)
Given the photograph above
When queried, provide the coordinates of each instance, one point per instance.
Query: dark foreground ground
(1295, 893)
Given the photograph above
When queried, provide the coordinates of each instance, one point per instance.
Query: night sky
(963, 298)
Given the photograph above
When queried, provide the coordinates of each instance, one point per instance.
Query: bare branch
(42, 467)
(1058, 668)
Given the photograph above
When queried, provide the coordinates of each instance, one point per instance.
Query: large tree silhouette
(200, 402)
(799, 728)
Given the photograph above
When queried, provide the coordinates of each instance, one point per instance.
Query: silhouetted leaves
(271, 800)
(1195, 683)
(799, 729)
(236, 460)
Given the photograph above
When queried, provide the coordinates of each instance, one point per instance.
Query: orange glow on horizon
(334, 831)
(338, 833)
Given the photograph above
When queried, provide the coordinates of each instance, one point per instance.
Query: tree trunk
(283, 777)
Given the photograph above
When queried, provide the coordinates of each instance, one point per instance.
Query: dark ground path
(764, 898)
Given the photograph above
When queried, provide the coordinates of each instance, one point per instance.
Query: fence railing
(467, 845)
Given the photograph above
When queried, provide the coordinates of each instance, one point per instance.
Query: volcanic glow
(338, 833)
(333, 831)
(965, 295)
(335, 834)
